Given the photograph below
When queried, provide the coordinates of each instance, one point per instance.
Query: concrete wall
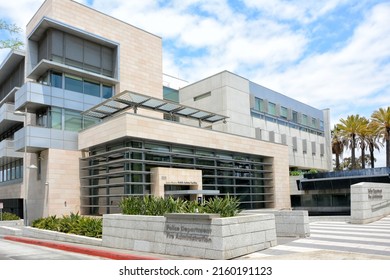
(192, 235)
(288, 223)
(369, 202)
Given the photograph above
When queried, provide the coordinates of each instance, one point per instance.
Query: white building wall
(230, 96)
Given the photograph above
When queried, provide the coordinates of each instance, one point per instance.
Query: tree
(12, 42)
(372, 142)
(337, 146)
(362, 137)
(381, 122)
(349, 129)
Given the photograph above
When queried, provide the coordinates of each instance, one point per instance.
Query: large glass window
(56, 79)
(259, 104)
(272, 108)
(73, 83)
(304, 119)
(91, 88)
(73, 121)
(283, 112)
(56, 118)
(107, 91)
(295, 116)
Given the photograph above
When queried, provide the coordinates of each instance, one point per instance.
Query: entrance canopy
(196, 192)
(128, 99)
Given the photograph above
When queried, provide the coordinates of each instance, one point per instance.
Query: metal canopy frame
(128, 99)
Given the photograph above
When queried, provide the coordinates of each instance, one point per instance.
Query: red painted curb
(79, 249)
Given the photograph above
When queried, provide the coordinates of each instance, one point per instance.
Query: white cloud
(303, 11)
(348, 77)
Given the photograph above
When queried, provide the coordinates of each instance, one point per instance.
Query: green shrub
(73, 223)
(226, 207)
(10, 216)
(158, 206)
(296, 173)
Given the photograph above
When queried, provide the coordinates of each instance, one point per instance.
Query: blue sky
(329, 54)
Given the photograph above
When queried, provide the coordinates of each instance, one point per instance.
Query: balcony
(35, 96)
(41, 138)
(7, 117)
(7, 151)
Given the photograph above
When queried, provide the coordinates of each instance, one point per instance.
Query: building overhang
(193, 192)
(9, 64)
(47, 23)
(132, 100)
(45, 65)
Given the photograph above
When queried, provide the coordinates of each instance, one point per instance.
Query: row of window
(77, 84)
(64, 119)
(287, 123)
(11, 171)
(283, 113)
(71, 50)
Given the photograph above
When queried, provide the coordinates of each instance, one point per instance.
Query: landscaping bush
(158, 206)
(9, 216)
(73, 223)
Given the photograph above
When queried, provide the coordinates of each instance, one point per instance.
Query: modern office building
(86, 119)
(258, 112)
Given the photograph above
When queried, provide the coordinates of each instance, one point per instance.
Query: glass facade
(263, 109)
(64, 119)
(77, 84)
(74, 51)
(12, 170)
(124, 168)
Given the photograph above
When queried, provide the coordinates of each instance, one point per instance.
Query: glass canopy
(131, 100)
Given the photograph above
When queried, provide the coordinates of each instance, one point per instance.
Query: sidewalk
(329, 240)
(334, 240)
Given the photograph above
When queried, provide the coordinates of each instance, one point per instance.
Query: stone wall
(369, 202)
(288, 223)
(191, 235)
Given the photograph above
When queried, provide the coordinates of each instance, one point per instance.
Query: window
(107, 91)
(56, 79)
(272, 108)
(313, 122)
(89, 122)
(259, 104)
(56, 118)
(204, 95)
(304, 119)
(73, 83)
(91, 88)
(73, 121)
(283, 112)
(295, 116)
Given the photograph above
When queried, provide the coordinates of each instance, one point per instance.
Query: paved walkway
(334, 240)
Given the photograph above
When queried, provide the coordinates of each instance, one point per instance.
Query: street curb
(79, 249)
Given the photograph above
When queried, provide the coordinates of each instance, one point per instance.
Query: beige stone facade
(55, 185)
(142, 127)
(175, 176)
(140, 52)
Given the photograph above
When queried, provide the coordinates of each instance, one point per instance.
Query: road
(10, 250)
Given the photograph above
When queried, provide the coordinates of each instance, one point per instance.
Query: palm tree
(337, 146)
(381, 121)
(349, 129)
(362, 137)
(372, 142)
